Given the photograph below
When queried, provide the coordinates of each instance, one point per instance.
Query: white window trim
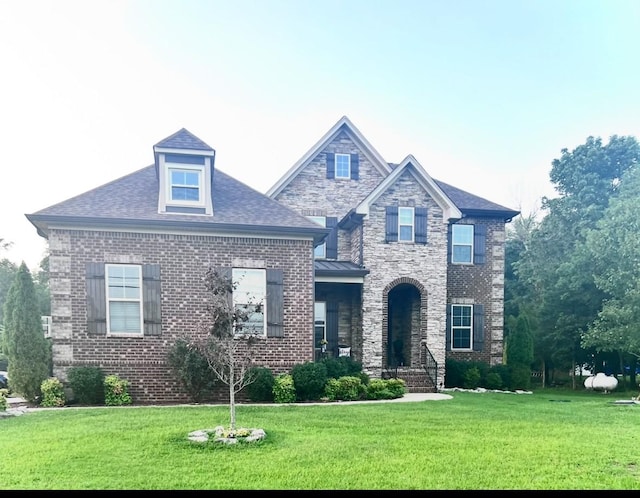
(169, 167)
(324, 333)
(453, 245)
(261, 299)
(348, 156)
(109, 299)
(322, 221)
(400, 225)
(470, 348)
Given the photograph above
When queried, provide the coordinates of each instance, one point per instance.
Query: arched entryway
(404, 323)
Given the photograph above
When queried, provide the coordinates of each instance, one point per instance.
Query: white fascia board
(190, 152)
(449, 209)
(374, 156)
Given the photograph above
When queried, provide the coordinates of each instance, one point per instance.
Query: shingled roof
(183, 139)
(471, 204)
(132, 200)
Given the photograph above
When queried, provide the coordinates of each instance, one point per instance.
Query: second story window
(462, 244)
(405, 224)
(185, 185)
(343, 166)
(320, 250)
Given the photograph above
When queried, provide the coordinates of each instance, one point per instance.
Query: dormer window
(184, 168)
(343, 166)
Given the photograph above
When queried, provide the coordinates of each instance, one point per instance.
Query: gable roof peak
(344, 123)
(183, 139)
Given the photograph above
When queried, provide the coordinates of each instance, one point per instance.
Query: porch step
(416, 380)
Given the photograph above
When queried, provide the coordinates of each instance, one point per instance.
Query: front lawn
(545, 440)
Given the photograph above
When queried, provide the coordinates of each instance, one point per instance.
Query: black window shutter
(449, 332)
(420, 215)
(275, 303)
(391, 228)
(449, 243)
(355, 167)
(96, 299)
(332, 327)
(152, 297)
(478, 327)
(479, 244)
(331, 249)
(331, 165)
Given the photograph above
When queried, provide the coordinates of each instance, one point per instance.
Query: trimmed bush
(494, 381)
(385, 389)
(4, 394)
(471, 378)
(341, 366)
(116, 391)
(87, 384)
(309, 379)
(284, 390)
(346, 388)
(261, 389)
(52, 393)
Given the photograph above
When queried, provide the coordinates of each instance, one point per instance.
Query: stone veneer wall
(330, 197)
(393, 263)
(483, 284)
(184, 260)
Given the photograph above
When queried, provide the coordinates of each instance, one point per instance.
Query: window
(249, 296)
(343, 166)
(185, 185)
(405, 224)
(461, 326)
(319, 251)
(320, 321)
(462, 244)
(124, 299)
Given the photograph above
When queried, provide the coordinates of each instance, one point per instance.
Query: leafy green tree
(8, 271)
(229, 351)
(613, 250)
(26, 345)
(564, 295)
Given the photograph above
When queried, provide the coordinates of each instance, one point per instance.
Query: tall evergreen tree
(25, 342)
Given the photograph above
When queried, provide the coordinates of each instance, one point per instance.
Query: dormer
(184, 168)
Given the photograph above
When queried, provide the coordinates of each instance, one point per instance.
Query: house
(378, 260)
(412, 271)
(128, 260)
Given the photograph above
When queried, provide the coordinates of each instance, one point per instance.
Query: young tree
(225, 340)
(25, 342)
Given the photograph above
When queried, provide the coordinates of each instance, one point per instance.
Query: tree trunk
(544, 373)
(232, 394)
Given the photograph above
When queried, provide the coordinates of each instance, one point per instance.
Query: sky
(485, 94)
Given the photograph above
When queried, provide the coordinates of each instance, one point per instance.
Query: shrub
(261, 389)
(341, 366)
(87, 384)
(309, 379)
(494, 381)
(505, 376)
(471, 378)
(520, 377)
(192, 369)
(454, 373)
(116, 391)
(4, 394)
(52, 392)
(385, 389)
(284, 390)
(346, 388)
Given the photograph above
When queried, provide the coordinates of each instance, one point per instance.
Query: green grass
(548, 440)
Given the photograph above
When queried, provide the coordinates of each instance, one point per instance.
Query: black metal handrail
(430, 364)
